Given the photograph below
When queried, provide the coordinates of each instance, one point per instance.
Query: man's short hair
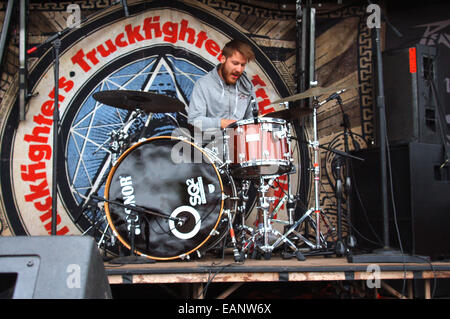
(238, 45)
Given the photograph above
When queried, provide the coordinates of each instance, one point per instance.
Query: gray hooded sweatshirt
(212, 100)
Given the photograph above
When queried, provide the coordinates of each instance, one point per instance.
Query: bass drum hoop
(108, 183)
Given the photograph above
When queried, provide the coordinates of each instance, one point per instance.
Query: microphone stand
(135, 210)
(56, 46)
(254, 111)
(351, 240)
(385, 254)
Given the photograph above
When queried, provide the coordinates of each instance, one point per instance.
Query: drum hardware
(144, 210)
(317, 210)
(241, 209)
(215, 232)
(132, 258)
(320, 241)
(238, 256)
(341, 247)
(119, 140)
(266, 238)
(316, 171)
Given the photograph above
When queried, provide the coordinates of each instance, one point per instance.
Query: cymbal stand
(314, 214)
(316, 167)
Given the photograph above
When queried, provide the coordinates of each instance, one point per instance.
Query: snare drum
(258, 149)
(175, 178)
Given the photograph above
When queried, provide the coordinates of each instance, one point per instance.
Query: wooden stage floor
(276, 270)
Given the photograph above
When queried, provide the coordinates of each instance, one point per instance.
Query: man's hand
(225, 122)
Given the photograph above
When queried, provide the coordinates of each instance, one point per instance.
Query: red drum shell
(261, 148)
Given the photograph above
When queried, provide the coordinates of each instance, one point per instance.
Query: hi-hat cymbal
(290, 114)
(314, 91)
(146, 101)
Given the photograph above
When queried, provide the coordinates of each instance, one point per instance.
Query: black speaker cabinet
(411, 110)
(421, 191)
(52, 267)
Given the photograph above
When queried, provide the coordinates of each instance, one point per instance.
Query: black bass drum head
(166, 177)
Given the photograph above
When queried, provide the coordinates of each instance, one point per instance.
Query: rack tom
(258, 149)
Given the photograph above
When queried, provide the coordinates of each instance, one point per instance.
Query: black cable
(208, 282)
(362, 236)
(388, 155)
(210, 279)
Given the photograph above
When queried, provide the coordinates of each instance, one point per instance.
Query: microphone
(332, 96)
(254, 110)
(48, 40)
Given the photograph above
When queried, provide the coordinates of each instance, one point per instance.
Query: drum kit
(170, 197)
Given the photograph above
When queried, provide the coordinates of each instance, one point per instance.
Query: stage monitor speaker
(421, 192)
(52, 267)
(411, 109)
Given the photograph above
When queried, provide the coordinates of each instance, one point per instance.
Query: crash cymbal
(290, 114)
(146, 101)
(315, 91)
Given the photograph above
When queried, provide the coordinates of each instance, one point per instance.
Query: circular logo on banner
(156, 49)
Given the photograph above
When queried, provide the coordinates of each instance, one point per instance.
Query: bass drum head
(169, 176)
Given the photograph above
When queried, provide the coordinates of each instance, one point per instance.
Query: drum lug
(241, 157)
(214, 233)
(282, 134)
(215, 150)
(266, 154)
(184, 256)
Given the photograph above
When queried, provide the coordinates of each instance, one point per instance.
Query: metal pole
(22, 60)
(382, 116)
(56, 45)
(5, 28)
(317, 209)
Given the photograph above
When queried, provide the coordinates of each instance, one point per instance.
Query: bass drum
(169, 177)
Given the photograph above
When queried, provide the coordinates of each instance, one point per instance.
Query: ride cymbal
(290, 114)
(315, 91)
(146, 101)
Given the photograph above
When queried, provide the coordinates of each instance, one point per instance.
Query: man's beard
(227, 76)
